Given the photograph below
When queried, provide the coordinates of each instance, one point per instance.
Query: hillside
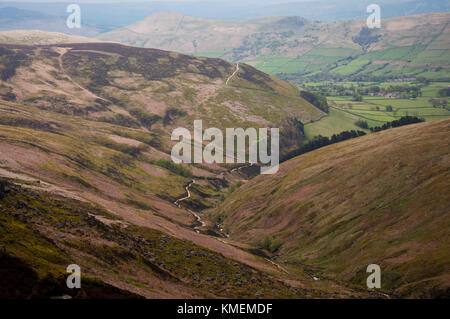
(380, 199)
(98, 118)
(87, 176)
(118, 259)
(294, 47)
(148, 88)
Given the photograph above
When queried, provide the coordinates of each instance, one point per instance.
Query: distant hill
(12, 18)
(120, 14)
(12, 14)
(335, 10)
(295, 47)
(379, 199)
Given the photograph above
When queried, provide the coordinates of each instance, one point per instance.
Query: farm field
(344, 111)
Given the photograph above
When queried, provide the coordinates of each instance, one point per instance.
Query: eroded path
(235, 72)
(196, 216)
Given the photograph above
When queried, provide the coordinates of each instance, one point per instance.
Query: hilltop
(294, 47)
(37, 37)
(378, 199)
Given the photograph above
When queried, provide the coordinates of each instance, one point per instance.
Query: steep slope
(404, 46)
(151, 89)
(97, 118)
(41, 234)
(91, 123)
(380, 199)
(152, 82)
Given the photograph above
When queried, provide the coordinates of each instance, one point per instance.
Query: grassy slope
(335, 122)
(105, 81)
(45, 233)
(378, 199)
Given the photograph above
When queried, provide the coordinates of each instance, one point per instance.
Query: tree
(362, 124)
(317, 100)
(389, 108)
(444, 92)
(357, 98)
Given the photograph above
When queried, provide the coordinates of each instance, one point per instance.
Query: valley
(72, 136)
(88, 176)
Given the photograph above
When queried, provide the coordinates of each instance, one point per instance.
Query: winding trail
(232, 75)
(188, 195)
(203, 224)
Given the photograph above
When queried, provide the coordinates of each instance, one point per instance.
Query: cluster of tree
(172, 114)
(405, 120)
(362, 124)
(412, 91)
(326, 76)
(174, 168)
(357, 91)
(438, 102)
(321, 141)
(366, 38)
(357, 97)
(445, 92)
(317, 100)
